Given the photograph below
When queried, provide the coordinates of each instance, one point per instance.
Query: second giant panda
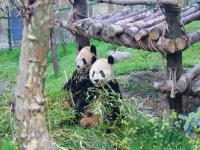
(101, 77)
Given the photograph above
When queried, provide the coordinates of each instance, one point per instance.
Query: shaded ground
(139, 84)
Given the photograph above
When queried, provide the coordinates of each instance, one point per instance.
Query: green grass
(135, 133)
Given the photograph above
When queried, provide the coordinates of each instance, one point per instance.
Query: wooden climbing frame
(157, 30)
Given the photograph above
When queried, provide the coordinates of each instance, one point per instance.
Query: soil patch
(139, 85)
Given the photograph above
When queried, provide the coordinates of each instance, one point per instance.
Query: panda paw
(88, 120)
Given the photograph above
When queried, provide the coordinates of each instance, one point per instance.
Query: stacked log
(135, 2)
(143, 29)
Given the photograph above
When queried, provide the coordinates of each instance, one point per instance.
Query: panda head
(101, 71)
(86, 57)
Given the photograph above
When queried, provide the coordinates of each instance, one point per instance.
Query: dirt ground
(138, 85)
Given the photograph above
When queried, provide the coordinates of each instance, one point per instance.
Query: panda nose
(96, 81)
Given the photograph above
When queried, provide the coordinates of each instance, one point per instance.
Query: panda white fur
(102, 78)
(79, 83)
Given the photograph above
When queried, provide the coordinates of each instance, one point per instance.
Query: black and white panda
(79, 83)
(101, 76)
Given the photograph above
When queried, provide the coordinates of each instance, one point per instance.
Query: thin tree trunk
(54, 51)
(29, 111)
(80, 12)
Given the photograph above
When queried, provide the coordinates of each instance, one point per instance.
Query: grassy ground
(136, 132)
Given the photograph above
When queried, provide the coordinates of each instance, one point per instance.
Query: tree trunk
(29, 111)
(54, 51)
(80, 12)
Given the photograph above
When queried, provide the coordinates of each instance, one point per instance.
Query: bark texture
(29, 111)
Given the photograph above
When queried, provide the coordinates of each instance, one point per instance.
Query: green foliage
(192, 122)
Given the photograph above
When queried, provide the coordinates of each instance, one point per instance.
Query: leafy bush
(192, 122)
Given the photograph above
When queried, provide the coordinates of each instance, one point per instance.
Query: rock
(119, 55)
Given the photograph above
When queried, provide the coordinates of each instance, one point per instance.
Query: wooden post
(174, 61)
(80, 12)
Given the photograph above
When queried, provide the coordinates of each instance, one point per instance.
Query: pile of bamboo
(143, 29)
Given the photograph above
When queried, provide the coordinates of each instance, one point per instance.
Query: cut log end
(155, 34)
(97, 28)
(181, 44)
(132, 31)
(114, 30)
(139, 35)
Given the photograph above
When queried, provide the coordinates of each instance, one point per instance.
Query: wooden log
(114, 30)
(137, 17)
(114, 16)
(97, 28)
(118, 27)
(138, 2)
(143, 24)
(183, 84)
(156, 31)
(163, 45)
(191, 10)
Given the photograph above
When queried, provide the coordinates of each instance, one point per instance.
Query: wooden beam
(139, 2)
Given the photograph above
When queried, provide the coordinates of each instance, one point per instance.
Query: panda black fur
(101, 77)
(79, 83)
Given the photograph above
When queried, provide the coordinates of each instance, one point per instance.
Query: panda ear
(93, 49)
(111, 60)
(80, 48)
(93, 60)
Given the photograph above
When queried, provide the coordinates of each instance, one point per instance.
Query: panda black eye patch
(84, 61)
(102, 74)
(93, 73)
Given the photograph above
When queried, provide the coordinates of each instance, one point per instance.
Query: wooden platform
(144, 29)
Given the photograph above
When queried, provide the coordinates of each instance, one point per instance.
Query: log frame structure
(156, 30)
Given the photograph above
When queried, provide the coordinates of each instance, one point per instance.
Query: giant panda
(101, 77)
(79, 83)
